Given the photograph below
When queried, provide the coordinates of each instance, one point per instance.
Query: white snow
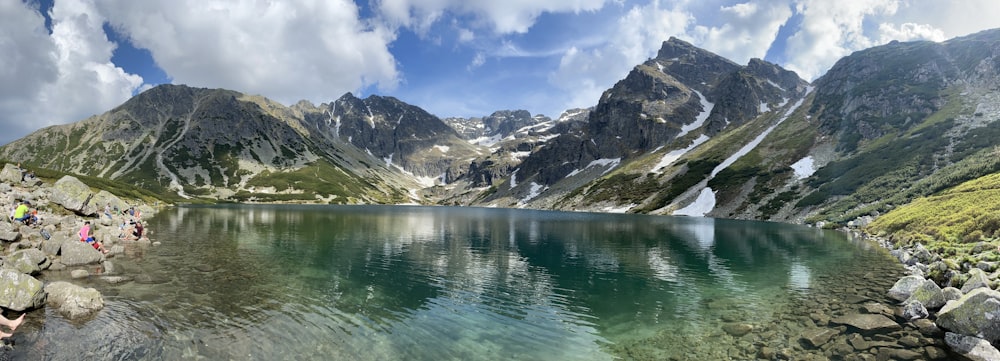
(621, 209)
(706, 110)
(769, 81)
(706, 199)
(764, 108)
(804, 168)
(674, 155)
(513, 179)
(442, 148)
(533, 192)
(520, 155)
(701, 206)
(610, 163)
(760, 138)
(487, 141)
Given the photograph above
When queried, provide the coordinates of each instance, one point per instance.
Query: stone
(19, 291)
(877, 308)
(927, 328)
(935, 353)
(858, 342)
(73, 195)
(904, 287)
(79, 273)
(910, 341)
(737, 329)
(818, 337)
(868, 322)
(116, 279)
(976, 313)
(10, 174)
(914, 310)
(972, 348)
(977, 279)
(951, 293)
(8, 233)
(28, 261)
(898, 354)
(75, 253)
(929, 294)
(73, 301)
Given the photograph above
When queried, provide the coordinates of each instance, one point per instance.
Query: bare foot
(5, 335)
(17, 322)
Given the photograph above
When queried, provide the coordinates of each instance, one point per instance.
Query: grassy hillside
(963, 215)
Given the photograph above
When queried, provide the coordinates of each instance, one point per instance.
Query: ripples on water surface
(438, 283)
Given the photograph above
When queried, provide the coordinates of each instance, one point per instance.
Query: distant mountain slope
(687, 132)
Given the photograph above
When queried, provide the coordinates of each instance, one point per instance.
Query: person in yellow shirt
(21, 213)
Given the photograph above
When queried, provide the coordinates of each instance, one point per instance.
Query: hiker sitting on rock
(21, 212)
(87, 235)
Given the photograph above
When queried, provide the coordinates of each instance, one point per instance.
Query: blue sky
(64, 60)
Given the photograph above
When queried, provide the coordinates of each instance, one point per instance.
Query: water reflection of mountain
(397, 266)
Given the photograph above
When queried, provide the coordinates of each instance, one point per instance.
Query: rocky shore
(53, 244)
(955, 293)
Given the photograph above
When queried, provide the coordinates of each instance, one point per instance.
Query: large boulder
(904, 287)
(972, 348)
(19, 291)
(75, 253)
(74, 195)
(73, 301)
(977, 279)
(104, 198)
(29, 261)
(928, 294)
(10, 174)
(975, 314)
(8, 233)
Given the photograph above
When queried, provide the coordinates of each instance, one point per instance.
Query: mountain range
(687, 132)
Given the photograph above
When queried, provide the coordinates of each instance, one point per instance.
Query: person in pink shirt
(85, 231)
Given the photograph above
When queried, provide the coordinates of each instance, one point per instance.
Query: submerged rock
(868, 322)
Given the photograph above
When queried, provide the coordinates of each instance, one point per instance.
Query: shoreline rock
(953, 294)
(53, 244)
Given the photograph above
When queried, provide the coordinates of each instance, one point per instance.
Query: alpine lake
(284, 282)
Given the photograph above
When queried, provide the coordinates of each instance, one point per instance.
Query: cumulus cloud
(909, 31)
(585, 73)
(747, 30)
(502, 17)
(315, 50)
(60, 77)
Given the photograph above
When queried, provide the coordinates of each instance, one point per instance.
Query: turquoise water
(441, 283)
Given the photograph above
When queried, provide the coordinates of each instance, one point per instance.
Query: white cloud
(909, 31)
(502, 17)
(831, 30)
(315, 50)
(586, 73)
(59, 77)
(747, 32)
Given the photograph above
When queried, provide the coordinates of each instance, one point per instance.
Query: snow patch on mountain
(706, 110)
(701, 206)
(804, 168)
(610, 163)
(674, 155)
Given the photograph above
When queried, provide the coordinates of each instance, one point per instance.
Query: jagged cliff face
(687, 132)
(682, 94)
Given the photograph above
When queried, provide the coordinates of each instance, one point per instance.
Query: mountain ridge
(885, 125)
